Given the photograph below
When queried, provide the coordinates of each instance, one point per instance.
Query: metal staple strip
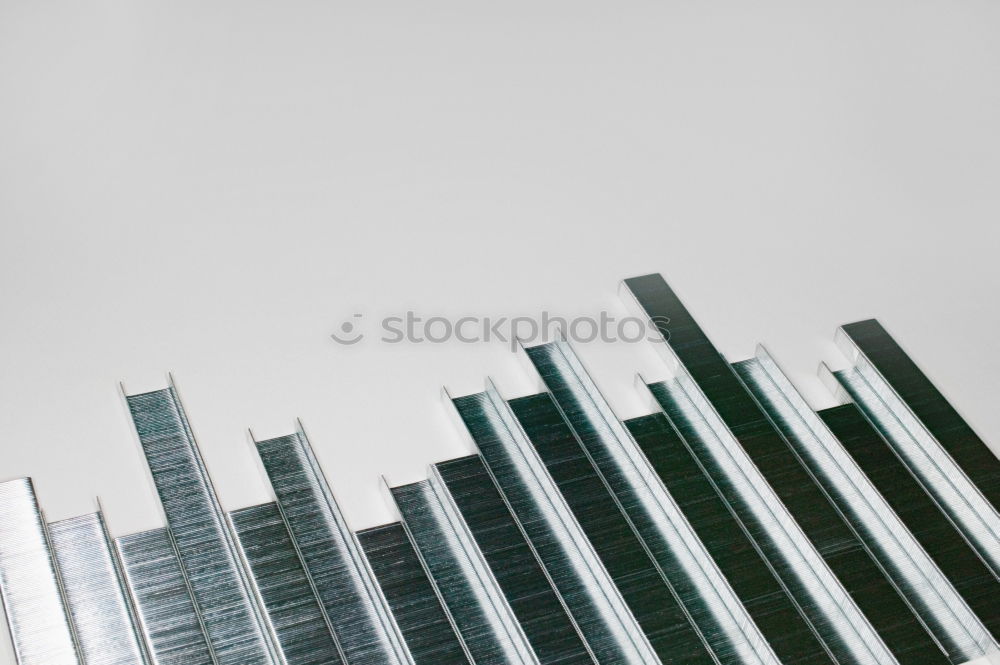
(425, 624)
(931, 594)
(39, 625)
(162, 599)
(943, 478)
(338, 572)
(717, 610)
(276, 572)
(206, 548)
(106, 630)
(577, 573)
(463, 581)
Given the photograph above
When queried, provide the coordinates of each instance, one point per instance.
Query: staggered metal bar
(920, 515)
(774, 612)
(425, 625)
(351, 601)
(706, 594)
(960, 475)
(780, 504)
(585, 586)
(658, 611)
(926, 588)
(36, 612)
(468, 591)
(734, 525)
(166, 612)
(205, 546)
(106, 629)
(293, 612)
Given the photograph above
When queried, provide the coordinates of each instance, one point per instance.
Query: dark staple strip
(425, 625)
(205, 546)
(463, 582)
(922, 516)
(791, 636)
(839, 546)
(703, 590)
(276, 571)
(163, 603)
(656, 609)
(338, 572)
(928, 590)
(578, 576)
(542, 618)
(936, 413)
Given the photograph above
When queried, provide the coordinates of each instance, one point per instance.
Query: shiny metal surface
(277, 574)
(714, 607)
(107, 631)
(850, 601)
(162, 600)
(205, 546)
(461, 577)
(36, 613)
(930, 593)
(577, 573)
(930, 462)
(337, 570)
(424, 623)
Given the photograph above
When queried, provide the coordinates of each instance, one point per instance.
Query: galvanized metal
(162, 599)
(352, 603)
(40, 628)
(205, 546)
(292, 608)
(929, 592)
(107, 630)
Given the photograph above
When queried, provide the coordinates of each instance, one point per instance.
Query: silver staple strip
(205, 545)
(461, 576)
(36, 612)
(106, 630)
(578, 575)
(162, 600)
(352, 601)
(919, 579)
(733, 629)
(943, 478)
(281, 583)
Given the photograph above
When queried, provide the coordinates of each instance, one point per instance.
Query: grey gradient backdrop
(211, 188)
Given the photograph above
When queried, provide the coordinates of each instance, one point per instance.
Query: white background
(210, 189)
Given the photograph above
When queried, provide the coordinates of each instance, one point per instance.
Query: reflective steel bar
(36, 612)
(956, 483)
(337, 570)
(577, 573)
(106, 629)
(463, 581)
(861, 615)
(162, 600)
(929, 592)
(292, 609)
(205, 546)
(706, 594)
(425, 625)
